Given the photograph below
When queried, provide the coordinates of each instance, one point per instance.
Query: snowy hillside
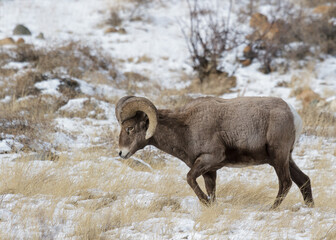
(63, 70)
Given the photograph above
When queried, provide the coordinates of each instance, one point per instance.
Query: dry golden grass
(29, 117)
(98, 196)
(108, 197)
(90, 109)
(317, 118)
(318, 121)
(76, 59)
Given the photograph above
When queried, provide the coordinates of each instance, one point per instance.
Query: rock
(115, 30)
(111, 30)
(248, 52)
(263, 28)
(7, 41)
(20, 41)
(259, 20)
(40, 36)
(122, 31)
(21, 30)
(246, 62)
(275, 29)
(144, 58)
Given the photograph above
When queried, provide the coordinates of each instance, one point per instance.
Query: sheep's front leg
(201, 166)
(210, 184)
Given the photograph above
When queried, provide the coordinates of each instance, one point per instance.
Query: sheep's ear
(143, 119)
(141, 116)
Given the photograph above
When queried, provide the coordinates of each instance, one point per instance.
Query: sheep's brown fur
(210, 133)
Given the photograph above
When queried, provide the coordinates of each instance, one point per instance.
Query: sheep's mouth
(128, 154)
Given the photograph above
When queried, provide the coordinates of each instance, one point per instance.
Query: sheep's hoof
(208, 202)
(274, 207)
(310, 204)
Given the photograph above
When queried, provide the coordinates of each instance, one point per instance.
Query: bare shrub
(27, 53)
(314, 3)
(114, 19)
(133, 12)
(323, 34)
(208, 37)
(139, 9)
(290, 34)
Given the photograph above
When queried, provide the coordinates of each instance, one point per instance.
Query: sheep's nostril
(120, 153)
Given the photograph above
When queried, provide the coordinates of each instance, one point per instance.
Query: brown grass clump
(73, 58)
(29, 113)
(170, 203)
(28, 118)
(318, 122)
(76, 59)
(27, 53)
(24, 84)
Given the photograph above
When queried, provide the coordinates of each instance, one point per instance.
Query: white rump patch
(297, 122)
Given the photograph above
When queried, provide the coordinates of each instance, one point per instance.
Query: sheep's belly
(241, 165)
(239, 159)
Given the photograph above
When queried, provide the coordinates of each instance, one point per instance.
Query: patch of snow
(7, 99)
(49, 87)
(5, 146)
(325, 76)
(62, 139)
(74, 104)
(16, 65)
(5, 215)
(190, 204)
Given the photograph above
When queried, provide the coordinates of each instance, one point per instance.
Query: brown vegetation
(274, 37)
(208, 43)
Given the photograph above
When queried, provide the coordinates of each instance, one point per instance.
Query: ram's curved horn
(119, 106)
(128, 106)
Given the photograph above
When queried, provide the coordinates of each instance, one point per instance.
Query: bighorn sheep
(209, 133)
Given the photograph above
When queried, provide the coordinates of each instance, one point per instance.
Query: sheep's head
(137, 117)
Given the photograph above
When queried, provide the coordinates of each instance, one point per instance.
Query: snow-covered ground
(89, 193)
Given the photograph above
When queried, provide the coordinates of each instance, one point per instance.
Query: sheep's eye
(129, 129)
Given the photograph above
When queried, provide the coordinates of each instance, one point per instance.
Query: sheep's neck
(170, 135)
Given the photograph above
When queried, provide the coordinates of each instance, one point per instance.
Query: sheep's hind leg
(302, 181)
(210, 184)
(285, 183)
(201, 166)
